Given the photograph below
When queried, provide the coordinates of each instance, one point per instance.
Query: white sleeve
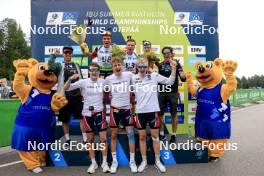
(164, 80)
(75, 85)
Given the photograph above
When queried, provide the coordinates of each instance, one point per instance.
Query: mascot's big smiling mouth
(45, 81)
(203, 77)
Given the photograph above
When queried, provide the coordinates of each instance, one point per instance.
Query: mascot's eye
(41, 67)
(200, 67)
(209, 65)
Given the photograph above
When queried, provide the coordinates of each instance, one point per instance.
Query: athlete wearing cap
(74, 97)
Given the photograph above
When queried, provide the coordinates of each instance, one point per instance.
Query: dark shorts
(95, 121)
(151, 118)
(74, 107)
(170, 99)
(117, 115)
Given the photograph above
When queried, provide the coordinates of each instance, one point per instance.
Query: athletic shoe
(105, 167)
(113, 168)
(160, 166)
(142, 166)
(173, 139)
(133, 167)
(92, 168)
(162, 137)
(37, 170)
(213, 159)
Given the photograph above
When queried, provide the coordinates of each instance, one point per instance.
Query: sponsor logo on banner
(181, 17)
(154, 48)
(177, 49)
(196, 18)
(61, 18)
(51, 49)
(192, 107)
(191, 61)
(189, 18)
(191, 119)
(77, 50)
(200, 50)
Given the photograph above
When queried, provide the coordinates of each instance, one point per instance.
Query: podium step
(171, 154)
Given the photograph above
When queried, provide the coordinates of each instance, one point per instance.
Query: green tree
(13, 46)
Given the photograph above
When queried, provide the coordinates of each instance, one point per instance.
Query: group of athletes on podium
(87, 98)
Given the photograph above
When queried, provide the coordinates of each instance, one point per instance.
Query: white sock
(162, 133)
(114, 156)
(157, 157)
(84, 137)
(132, 157)
(104, 159)
(144, 158)
(93, 161)
(174, 134)
(67, 136)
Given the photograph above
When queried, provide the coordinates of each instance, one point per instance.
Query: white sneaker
(92, 167)
(113, 168)
(37, 170)
(133, 167)
(105, 167)
(160, 166)
(142, 166)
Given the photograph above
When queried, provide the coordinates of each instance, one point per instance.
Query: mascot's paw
(229, 67)
(58, 101)
(188, 76)
(23, 66)
(84, 48)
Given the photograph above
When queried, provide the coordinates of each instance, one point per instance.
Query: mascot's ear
(32, 62)
(197, 63)
(218, 62)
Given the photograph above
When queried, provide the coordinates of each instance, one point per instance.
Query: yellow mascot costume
(212, 121)
(35, 121)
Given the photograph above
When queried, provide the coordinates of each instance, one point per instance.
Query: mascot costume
(212, 121)
(35, 121)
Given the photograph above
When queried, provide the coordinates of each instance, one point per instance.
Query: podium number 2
(57, 157)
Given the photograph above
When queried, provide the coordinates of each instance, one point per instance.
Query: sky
(241, 27)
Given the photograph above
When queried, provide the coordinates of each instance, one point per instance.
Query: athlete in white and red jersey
(92, 90)
(119, 83)
(145, 85)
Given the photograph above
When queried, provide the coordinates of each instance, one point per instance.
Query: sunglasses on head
(67, 52)
(93, 69)
(142, 66)
(166, 53)
(146, 43)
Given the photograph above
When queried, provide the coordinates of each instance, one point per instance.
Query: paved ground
(248, 160)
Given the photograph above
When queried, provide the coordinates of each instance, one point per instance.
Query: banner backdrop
(190, 27)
